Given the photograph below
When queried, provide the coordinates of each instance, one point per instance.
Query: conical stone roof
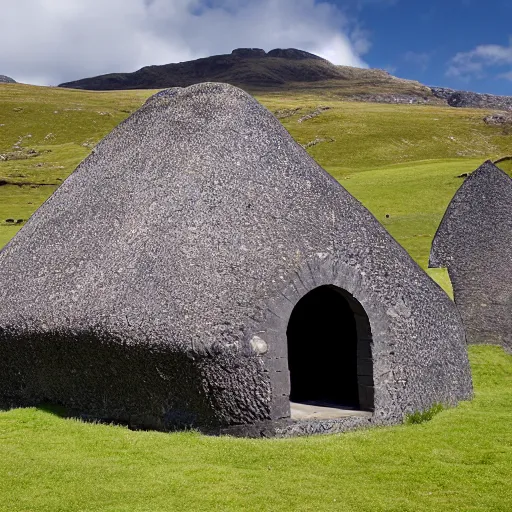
(156, 284)
(474, 241)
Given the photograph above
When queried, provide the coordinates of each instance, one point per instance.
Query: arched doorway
(329, 350)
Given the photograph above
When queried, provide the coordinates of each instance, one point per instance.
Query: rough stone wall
(418, 350)
(474, 241)
(190, 231)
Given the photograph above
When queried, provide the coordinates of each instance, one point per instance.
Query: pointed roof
(187, 216)
(474, 241)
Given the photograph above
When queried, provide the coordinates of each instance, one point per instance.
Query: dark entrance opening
(329, 350)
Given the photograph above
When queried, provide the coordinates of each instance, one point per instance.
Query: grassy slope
(392, 144)
(506, 166)
(62, 125)
(461, 460)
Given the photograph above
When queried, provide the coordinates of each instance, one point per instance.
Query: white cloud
(476, 62)
(421, 60)
(506, 76)
(52, 41)
(339, 50)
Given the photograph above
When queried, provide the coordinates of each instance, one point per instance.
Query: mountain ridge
(4, 79)
(254, 69)
(290, 69)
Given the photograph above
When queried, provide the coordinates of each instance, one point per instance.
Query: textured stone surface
(155, 285)
(469, 99)
(474, 241)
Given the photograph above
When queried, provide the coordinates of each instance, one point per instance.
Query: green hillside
(401, 161)
(44, 134)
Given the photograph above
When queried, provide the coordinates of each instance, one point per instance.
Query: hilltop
(255, 70)
(6, 80)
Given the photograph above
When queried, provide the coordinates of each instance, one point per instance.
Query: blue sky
(463, 44)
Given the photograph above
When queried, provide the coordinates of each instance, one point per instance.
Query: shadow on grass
(63, 412)
(56, 410)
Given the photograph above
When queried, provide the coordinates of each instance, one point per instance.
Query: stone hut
(199, 269)
(474, 242)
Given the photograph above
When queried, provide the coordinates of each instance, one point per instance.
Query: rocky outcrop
(498, 119)
(293, 54)
(472, 99)
(248, 52)
(6, 80)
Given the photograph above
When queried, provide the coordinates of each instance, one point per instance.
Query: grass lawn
(461, 460)
(506, 165)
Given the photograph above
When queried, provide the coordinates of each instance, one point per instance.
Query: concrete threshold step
(324, 411)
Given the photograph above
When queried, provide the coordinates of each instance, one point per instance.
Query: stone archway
(329, 351)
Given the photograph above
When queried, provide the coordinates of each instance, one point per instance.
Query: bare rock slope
(472, 99)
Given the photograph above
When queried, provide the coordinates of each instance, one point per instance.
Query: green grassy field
(461, 460)
(402, 162)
